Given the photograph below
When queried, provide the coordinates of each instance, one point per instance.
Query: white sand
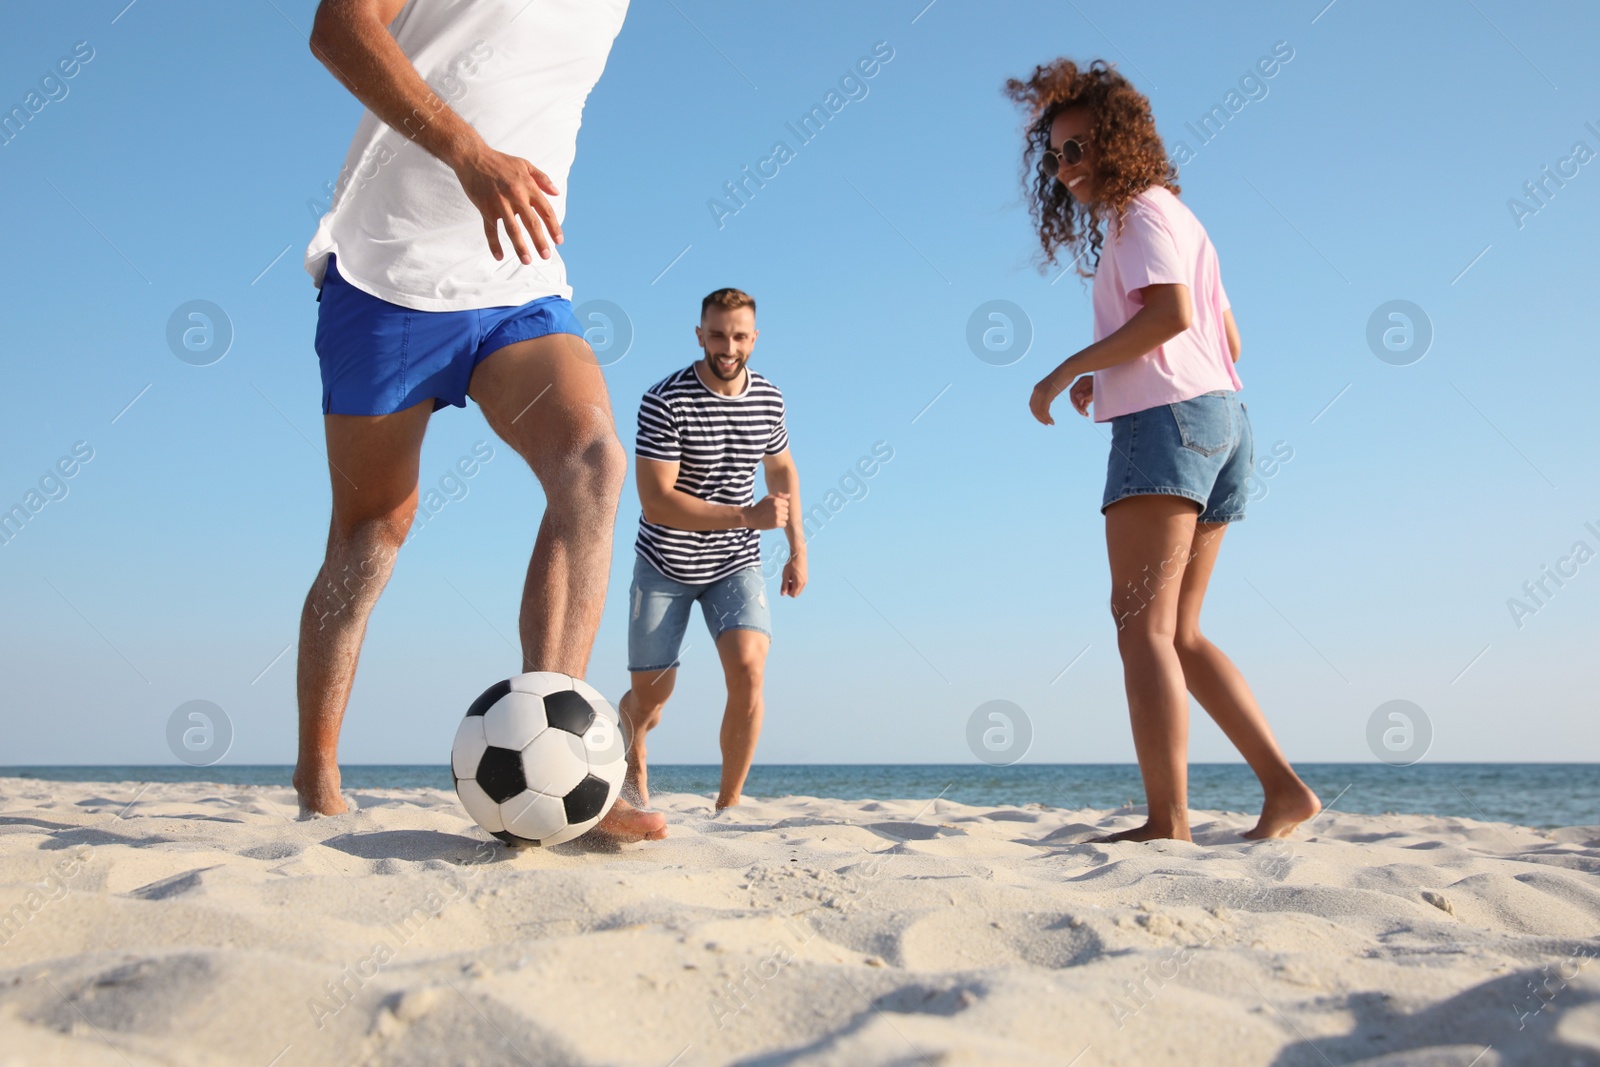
(201, 925)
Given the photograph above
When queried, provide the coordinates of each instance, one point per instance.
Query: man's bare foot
(1147, 832)
(1284, 810)
(319, 790)
(724, 803)
(635, 784)
(624, 822)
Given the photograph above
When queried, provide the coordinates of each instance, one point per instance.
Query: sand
(203, 924)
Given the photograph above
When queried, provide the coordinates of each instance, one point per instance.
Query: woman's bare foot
(318, 789)
(624, 822)
(1147, 832)
(1285, 808)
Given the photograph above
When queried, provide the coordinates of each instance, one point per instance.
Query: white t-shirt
(519, 72)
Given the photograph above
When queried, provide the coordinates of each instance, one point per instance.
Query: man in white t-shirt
(420, 309)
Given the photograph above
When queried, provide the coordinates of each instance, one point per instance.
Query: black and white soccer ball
(539, 758)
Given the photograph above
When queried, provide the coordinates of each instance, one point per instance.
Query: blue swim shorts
(378, 358)
(658, 611)
(1200, 448)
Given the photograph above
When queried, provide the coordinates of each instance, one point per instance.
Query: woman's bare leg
(1147, 540)
(1221, 689)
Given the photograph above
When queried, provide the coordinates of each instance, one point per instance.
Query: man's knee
(644, 711)
(644, 703)
(608, 461)
(589, 461)
(745, 664)
(358, 564)
(371, 543)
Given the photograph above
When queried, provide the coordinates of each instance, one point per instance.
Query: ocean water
(1529, 794)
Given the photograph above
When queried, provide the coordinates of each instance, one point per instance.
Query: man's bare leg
(547, 399)
(641, 708)
(744, 659)
(372, 461)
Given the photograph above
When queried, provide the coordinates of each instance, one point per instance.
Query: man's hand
(1082, 393)
(351, 38)
(771, 513)
(511, 192)
(794, 576)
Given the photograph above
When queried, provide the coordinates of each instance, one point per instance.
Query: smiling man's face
(727, 335)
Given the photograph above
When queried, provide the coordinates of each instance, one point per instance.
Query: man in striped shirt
(703, 431)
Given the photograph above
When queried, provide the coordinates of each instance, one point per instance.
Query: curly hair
(1129, 155)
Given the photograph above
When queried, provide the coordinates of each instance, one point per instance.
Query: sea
(1542, 795)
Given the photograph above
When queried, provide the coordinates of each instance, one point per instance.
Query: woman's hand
(1082, 394)
(1044, 394)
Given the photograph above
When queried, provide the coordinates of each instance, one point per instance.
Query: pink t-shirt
(1160, 242)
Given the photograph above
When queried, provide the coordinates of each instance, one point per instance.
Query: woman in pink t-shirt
(1161, 372)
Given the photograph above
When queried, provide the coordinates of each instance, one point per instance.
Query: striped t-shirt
(718, 442)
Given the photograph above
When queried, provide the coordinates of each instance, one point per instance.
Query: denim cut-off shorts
(1200, 448)
(658, 611)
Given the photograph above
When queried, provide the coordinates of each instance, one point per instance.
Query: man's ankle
(315, 767)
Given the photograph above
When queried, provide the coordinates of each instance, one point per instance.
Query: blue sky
(190, 151)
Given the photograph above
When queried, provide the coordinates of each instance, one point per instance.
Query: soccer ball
(539, 759)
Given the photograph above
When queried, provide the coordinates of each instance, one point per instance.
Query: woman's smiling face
(1073, 124)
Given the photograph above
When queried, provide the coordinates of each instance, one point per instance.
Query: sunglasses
(1070, 153)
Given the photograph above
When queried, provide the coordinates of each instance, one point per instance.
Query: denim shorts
(378, 358)
(1200, 449)
(658, 611)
